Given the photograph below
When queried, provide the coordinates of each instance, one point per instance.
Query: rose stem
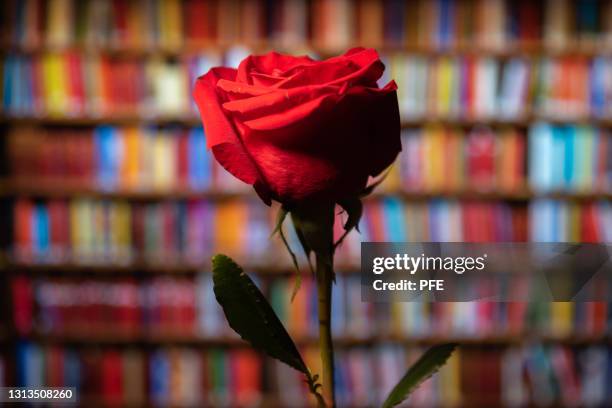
(324, 285)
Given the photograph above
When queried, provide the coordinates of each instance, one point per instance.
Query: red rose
(296, 128)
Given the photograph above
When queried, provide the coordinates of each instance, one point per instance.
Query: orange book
(246, 373)
(298, 310)
(454, 166)
(231, 227)
(370, 21)
(131, 166)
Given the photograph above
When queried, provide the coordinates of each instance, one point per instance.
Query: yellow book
(444, 86)
(433, 144)
(100, 236)
(231, 228)
(82, 229)
(76, 229)
(450, 381)
(164, 161)
(573, 225)
(561, 318)
(131, 166)
(55, 84)
(171, 23)
(121, 230)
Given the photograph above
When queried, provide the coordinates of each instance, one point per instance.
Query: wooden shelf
(124, 119)
(116, 337)
(324, 51)
(146, 268)
(63, 189)
(191, 120)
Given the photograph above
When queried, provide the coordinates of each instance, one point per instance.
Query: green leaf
(354, 209)
(250, 315)
(425, 367)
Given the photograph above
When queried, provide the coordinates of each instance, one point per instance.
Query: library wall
(111, 206)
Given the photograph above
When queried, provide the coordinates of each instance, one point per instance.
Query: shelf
(165, 337)
(190, 120)
(124, 119)
(151, 268)
(10, 188)
(324, 51)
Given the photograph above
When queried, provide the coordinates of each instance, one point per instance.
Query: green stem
(324, 285)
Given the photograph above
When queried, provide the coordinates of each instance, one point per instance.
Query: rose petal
(272, 63)
(221, 136)
(276, 101)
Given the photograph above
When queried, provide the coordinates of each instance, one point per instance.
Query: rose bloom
(299, 129)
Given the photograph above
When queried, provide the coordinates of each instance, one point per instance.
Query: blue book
(445, 8)
(28, 96)
(338, 306)
(199, 160)
(541, 214)
(72, 369)
(393, 211)
(557, 181)
(438, 210)
(568, 157)
(394, 20)
(41, 229)
(19, 86)
(598, 85)
(159, 372)
(30, 365)
(107, 151)
(8, 83)
(540, 156)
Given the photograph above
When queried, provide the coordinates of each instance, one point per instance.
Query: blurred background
(111, 206)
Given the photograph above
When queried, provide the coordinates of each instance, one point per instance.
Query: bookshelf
(61, 190)
(534, 44)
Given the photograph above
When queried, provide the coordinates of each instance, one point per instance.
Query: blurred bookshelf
(112, 207)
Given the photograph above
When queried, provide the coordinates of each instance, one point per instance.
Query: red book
(76, 85)
(55, 367)
(481, 159)
(516, 317)
(106, 86)
(59, 222)
(183, 160)
(600, 313)
(530, 21)
(374, 218)
(470, 84)
(602, 160)
(112, 378)
(120, 17)
(588, 223)
(36, 82)
(23, 216)
(246, 371)
(197, 20)
(23, 304)
(170, 230)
